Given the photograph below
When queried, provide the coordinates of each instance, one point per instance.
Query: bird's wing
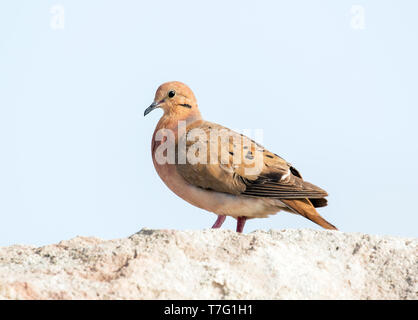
(219, 159)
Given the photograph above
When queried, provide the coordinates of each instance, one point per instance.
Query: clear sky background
(336, 95)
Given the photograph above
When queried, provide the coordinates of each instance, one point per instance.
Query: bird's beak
(151, 107)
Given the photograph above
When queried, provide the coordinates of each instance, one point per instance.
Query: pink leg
(219, 222)
(241, 224)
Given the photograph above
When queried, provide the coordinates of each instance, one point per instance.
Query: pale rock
(214, 264)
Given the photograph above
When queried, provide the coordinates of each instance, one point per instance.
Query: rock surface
(214, 264)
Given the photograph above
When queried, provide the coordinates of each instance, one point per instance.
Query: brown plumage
(305, 208)
(233, 175)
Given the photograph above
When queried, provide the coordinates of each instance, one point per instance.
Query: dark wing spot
(274, 176)
(295, 172)
(187, 106)
(231, 153)
(269, 156)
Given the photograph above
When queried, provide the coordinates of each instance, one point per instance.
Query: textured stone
(214, 264)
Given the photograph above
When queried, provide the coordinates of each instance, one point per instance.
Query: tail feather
(318, 203)
(305, 208)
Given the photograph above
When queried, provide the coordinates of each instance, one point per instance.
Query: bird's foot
(219, 222)
(241, 223)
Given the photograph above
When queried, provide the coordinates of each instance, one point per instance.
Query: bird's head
(176, 99)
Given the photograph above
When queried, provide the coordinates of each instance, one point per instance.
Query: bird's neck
(170, 122)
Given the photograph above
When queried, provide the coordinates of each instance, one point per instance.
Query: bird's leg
(241, 224)
(219, 222)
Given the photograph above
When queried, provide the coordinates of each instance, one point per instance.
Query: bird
(199, 172)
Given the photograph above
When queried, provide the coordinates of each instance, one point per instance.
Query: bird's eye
(171, 93)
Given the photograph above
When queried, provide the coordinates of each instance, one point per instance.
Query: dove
(219, 172)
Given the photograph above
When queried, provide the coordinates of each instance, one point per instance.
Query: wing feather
(275, 179)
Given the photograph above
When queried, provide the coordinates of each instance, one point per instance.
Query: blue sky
(334, 96)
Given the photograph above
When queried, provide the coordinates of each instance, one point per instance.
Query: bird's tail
(305, 208)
